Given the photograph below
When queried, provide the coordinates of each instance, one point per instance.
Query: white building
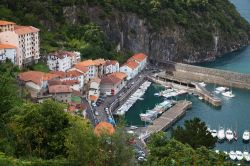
(141, 59)
(131, 68)
(111, 66)
(94, 89)
(73, 77)
(7, 52)
(113, 83)
(24, 38)
(62, 60)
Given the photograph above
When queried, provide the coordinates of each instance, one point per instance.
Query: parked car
(140, 158)
(94, 104)
(142, 153)
(96, 113)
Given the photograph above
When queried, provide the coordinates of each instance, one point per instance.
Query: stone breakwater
(216, 76)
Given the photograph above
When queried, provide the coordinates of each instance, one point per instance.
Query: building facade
(62, 60)
(61, 93)
(131, 68)
(111, 66)
(7, 52)
(26, 41)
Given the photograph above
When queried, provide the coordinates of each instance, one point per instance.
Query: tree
(36, 130)
(164, 152)
(195, 134)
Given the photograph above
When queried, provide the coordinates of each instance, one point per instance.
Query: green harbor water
(234, 113)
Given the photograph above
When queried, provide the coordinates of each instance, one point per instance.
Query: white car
(96, 113)
(94, 105)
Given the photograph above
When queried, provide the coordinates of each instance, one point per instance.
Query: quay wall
(209, 75)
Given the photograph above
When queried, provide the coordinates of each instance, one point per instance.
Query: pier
(187, 85)
(203, 74)
(166, 120)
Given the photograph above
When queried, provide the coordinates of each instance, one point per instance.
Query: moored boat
(228, 94)
(221, 134)
(229, 134)
(239, 155)
(246, 136)
(214, 133)
(232, 155)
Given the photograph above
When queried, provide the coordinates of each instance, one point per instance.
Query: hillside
(186, 30)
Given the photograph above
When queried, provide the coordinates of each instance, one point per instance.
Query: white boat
(246, 135)
(221, 134)
(202, 84)
(232, 155)
(228, 94)
(217, 92)
(214, 133)
(229, 134)
(246, 156)
(239, 155)
(235, 135)
(133, 127)
(201, 98)
(221, 89)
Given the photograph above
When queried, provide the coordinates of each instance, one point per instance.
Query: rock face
(130, 32)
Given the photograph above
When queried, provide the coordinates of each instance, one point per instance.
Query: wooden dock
(166, 120)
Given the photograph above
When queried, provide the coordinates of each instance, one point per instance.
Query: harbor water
(234, 113)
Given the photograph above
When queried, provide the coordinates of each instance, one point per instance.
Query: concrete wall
(209, 75)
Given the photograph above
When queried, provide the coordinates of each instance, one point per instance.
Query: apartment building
(24, 38)
(7, 51)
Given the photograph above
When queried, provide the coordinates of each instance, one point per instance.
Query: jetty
(187, 85)
(166, 120)
(203, 74)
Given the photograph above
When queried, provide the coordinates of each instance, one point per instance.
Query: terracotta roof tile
(6, 46)
(119, 75)
(111, 62)
(131, 64)
(2, 22)
(36, 76)
(70, 82)
(99, 62)
(60, 89)
(110, 79)
(93, 98)
(138, 57)
(21, 30)
(86, 63)
(60, 54)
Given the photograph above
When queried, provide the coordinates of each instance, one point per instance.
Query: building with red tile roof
(61, 93)
(62, 60)
(111, 84)
(24, 38)
(111, 66)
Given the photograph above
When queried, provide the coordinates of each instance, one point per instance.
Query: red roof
(36, 76)
(131, 64)
(2, 22)
(60, 89)
(110, 79)
(68, 74)
(61, 54)
(111, 62)
(6, 46)
(138, 57)
(21, 30)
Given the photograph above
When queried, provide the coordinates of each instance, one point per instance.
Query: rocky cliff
(135, 33)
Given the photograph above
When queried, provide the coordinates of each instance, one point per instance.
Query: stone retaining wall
(209, 75)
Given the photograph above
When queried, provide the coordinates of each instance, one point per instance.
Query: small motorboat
(239, 155)
(232, 155)
(221, 89)
(214, 133)
(246, 155)
(235, 136)
(221, 134)
(246, 136)
(229, 134)
(202, 84)
(228, 94)
(200, 98)
(133, 127)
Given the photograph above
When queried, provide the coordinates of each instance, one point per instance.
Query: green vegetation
(199, 19)
(40, 66)
(171, 152)
(195, 134)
